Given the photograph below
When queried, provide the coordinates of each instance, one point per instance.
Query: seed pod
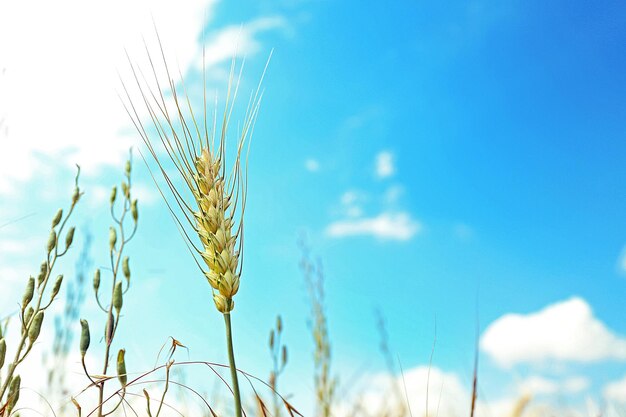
(57, 218)
(108, 330)
(121, 367)
(127, 168)
(125, 189)
(112, 238)
(75, 196)
(43, 271)
(284, 356)
(35, 327)
(113, 195)
(117, 297)
(3, 351)
(52, 241)
(57, 287)
(279, 324)
(69, 238)
(96, 280)
(126, 268)
(133, 210)
(84, 337)
(28, 293)
(14, 394)
(28, 314)
(271, 340)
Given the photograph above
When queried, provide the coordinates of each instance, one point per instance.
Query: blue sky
(447, 160)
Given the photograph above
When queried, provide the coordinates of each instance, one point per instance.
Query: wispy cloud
(538, 385)
(312, 165)
(389, 226)
(385, 165)
(563, 331)
(238, 40)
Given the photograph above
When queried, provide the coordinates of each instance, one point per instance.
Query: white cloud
(385, 165)
(238, 40)
(563, 331)
(392, 226)
(58, 92)
(538, 385)
(312, 165)
(616, 391)
(447, 396)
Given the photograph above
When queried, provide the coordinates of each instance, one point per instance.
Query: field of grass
(197, 153)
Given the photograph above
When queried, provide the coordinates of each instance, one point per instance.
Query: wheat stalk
(211, 203)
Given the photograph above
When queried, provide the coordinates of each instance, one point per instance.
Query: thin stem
(233, 368)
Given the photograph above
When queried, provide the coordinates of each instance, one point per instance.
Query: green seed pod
(125, 189)
(69, 238)
(284, 356)
(35, 327)
(113, 195)
(28, 293)
(96, 280)
(43, 271)
(57, 287)
(14, 394)
(57, 218)
(84, 337)
(75, 196)
(108, 330)
(52, 241)
(126, 268)
(271, 343)
(28, 314)
(3, 351)
(133, 210)
(121, 367)
(112, 238)
(279, 324)
(127, 168)
(117, 297)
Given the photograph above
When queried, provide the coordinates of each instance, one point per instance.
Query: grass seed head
(14, 393)
(69, 238)
(35, 327)
(3, 351)
(96, 280)
(28, 293)
(57, 287)
(85, 338)
(121, 367)
(113, 195)
(117, 296)
(112, 238)
(52, 241)
(196, 147)
(57, 218)
(126, 268)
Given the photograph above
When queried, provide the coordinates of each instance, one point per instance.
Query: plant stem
(233, 368)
